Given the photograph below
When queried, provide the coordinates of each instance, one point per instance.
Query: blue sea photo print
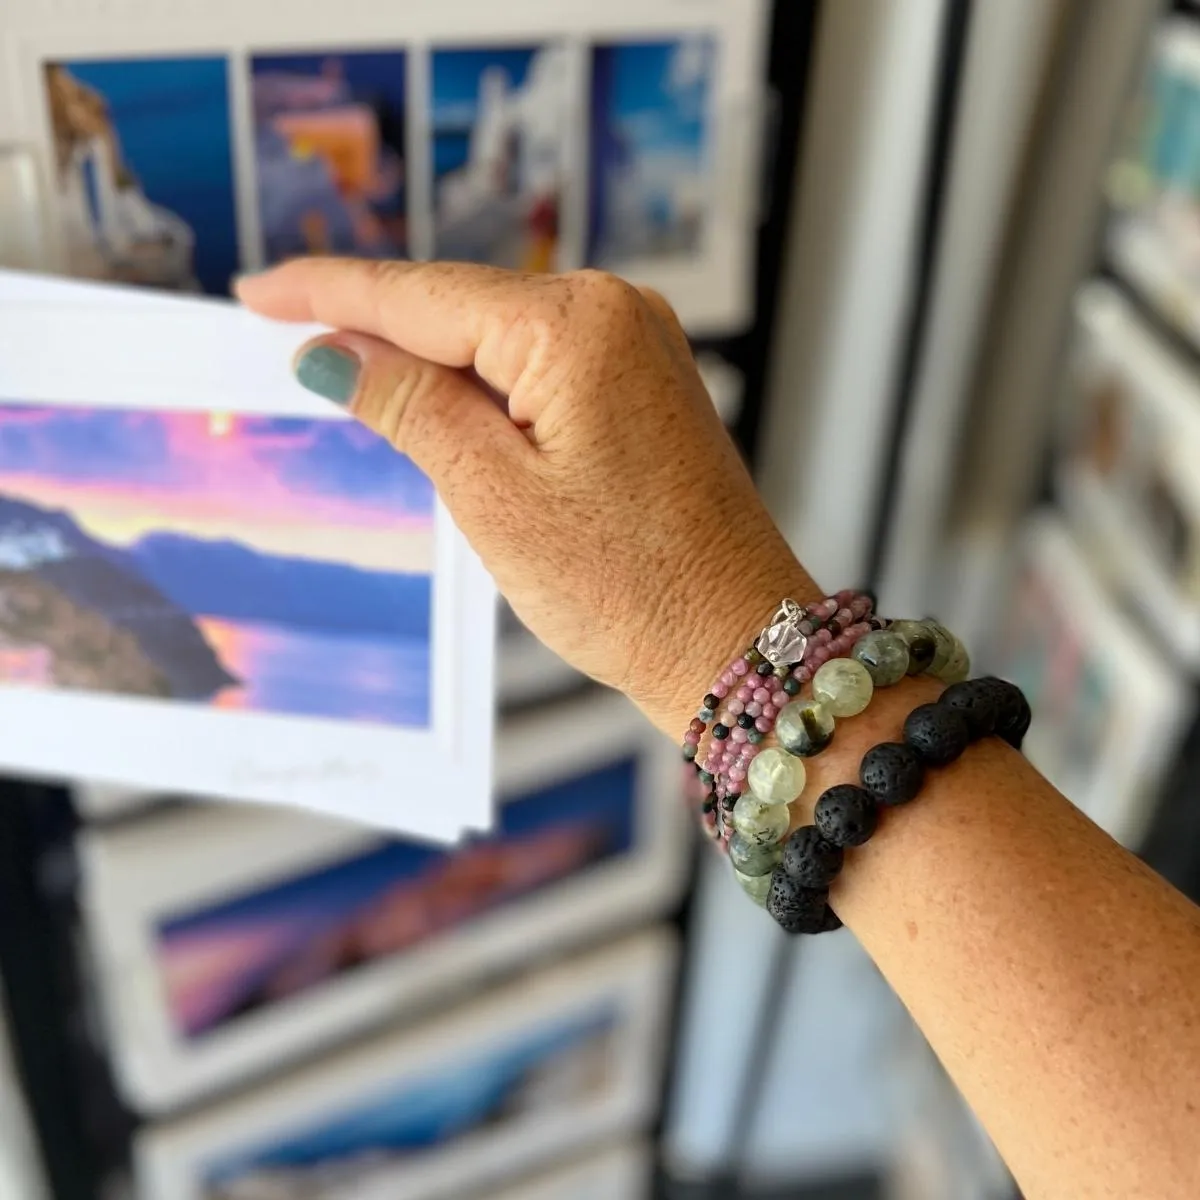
(269, 564)
(651, 157)
(371, 1141)
(143, 162)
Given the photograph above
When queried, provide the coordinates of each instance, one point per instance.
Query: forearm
(1057, 978)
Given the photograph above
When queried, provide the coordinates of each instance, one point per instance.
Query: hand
(564, 424)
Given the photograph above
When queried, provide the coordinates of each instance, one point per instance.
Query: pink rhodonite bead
(761, 695)
(739, 667)
(735, 708)
(753, 709)
(762, 725)
(779, 698)
(720, 690)
(769, 712)
(745, 692)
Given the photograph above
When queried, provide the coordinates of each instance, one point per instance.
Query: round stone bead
(797, 909)
(752, 859)
(959, 666)
(804, 727)
(810, 860)
(776, 777)
(846, 815)
(976, 700)
(884, 654)
(755, 886)
(1013, 715)
(892, 772)
(844, 686)
(918, 638)
(938, 733)
(762, 824)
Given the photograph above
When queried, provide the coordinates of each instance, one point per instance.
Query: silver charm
(782, 642)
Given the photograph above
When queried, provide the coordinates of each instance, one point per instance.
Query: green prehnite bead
(804, 727)
(776, 777)
(844, 686)
(919, 640)
(763, 824)
(959, 666)
(752, 859)
(884, 654)
(944, 643)
(756, 887)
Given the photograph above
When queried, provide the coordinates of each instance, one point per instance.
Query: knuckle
(606, 293)
(396, 402)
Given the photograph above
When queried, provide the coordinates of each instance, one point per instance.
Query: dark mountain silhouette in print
(95, 579)
(231, 580)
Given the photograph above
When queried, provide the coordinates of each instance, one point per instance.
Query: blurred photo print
(652, 119)
(143, 170)
(509, 1082)
(499, 126)
(330, 154)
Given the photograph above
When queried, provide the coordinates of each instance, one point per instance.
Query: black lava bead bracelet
(890, 774)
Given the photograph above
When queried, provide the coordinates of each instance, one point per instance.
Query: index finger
(448, 313)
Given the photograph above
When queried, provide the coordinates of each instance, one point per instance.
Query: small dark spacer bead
(706, 777)
(846, 815)
(1013, 715)
(834, 626)
(892, 772)
(791, 685)
(764, 667)
(753, 657)
(707, 807)
(720, 732)
(810, 860)
(754, 737)
(745, 720)
(710, 701)
(797, 909)
(938, 733)
(975, 699)
(729, 803)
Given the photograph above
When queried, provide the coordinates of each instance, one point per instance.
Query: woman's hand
(601, 491)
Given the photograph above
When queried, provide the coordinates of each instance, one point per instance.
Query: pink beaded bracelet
(748, 694)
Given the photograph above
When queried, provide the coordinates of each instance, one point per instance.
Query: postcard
(1109, 711)
(652, 153)
(225, 588)
(330, 151)
(498, 122)
(261, 936)
(143, 170)
(556, 1063)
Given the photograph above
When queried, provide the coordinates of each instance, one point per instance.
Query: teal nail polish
(329, 371)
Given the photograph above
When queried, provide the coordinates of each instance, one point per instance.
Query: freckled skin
(1057, 978)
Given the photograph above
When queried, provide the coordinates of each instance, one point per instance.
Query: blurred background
(940, 260)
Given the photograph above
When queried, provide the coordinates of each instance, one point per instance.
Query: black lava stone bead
(797, 909)
(809, 859)
(892, 772)
(976, 700)
(846, 815)
(938, 733)
(1013, 716)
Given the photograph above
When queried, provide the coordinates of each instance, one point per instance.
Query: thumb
(437, 416)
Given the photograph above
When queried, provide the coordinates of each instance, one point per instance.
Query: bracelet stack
(846, 652)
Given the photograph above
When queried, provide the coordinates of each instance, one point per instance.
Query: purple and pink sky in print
(328, 490)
